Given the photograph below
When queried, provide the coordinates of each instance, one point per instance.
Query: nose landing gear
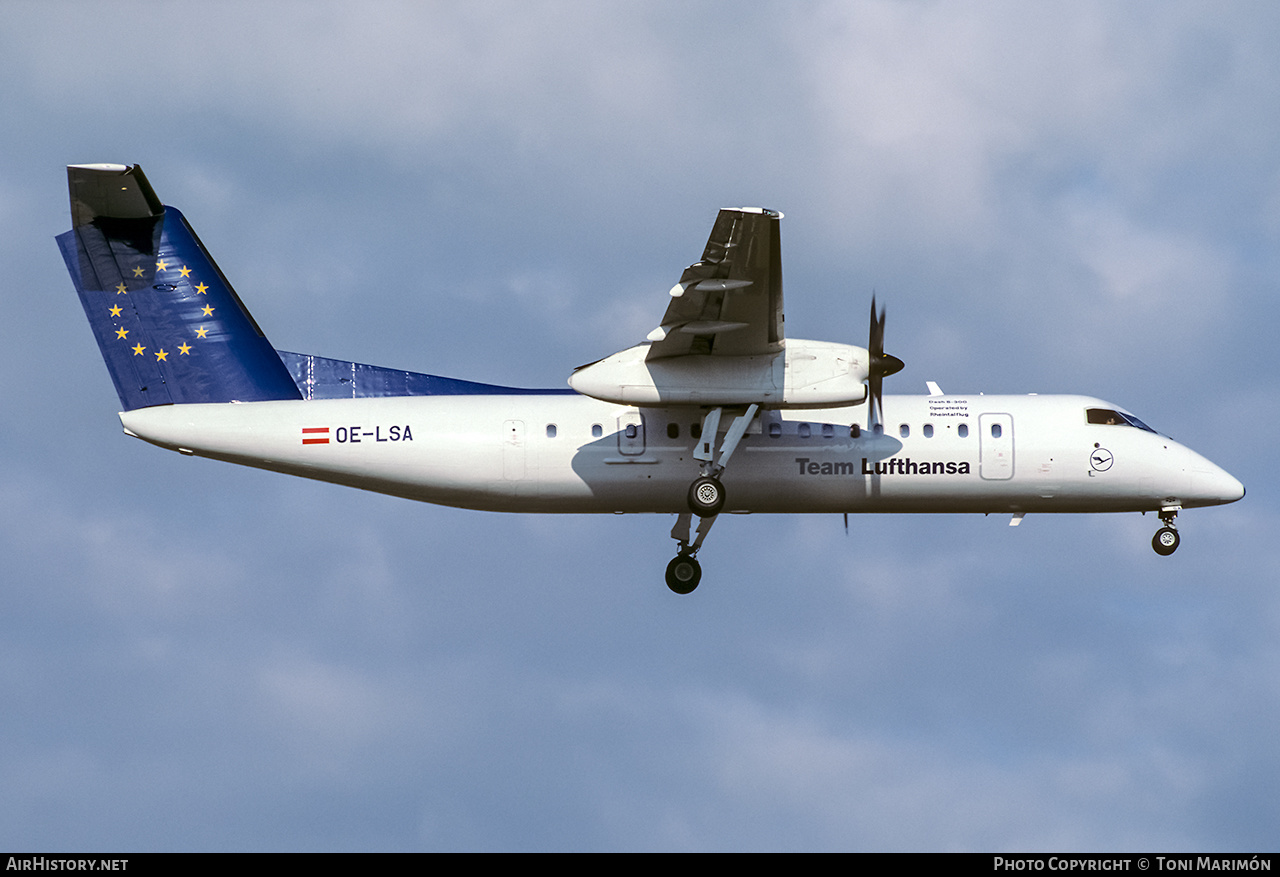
(1166, 540)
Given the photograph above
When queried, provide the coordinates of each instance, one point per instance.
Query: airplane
(715, 412)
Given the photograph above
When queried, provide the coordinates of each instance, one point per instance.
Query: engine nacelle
(804, 374)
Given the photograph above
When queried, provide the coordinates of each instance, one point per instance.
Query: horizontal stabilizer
(113, 191)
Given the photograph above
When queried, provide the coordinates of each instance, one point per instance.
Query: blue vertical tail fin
(170, 327)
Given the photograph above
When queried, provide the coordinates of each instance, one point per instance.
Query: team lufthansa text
(891, 466)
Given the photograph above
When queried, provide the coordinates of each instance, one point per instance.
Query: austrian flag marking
(315, 435)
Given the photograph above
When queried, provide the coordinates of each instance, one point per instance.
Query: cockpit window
(1136, 422)
(1109, 417)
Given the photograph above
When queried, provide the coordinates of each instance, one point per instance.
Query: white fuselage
(570, 453)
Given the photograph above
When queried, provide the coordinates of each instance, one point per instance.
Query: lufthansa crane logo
(1101, 459)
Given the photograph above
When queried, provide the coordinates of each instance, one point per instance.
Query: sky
(1071, 197)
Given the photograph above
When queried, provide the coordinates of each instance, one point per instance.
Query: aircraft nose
(1230, 488)
(1217, 486)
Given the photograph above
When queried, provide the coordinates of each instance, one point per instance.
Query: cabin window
(828, 431)
(632, 431)
(673, 430)
(996, 430)
(775, 430)
(551, 430)
(963, 430)
(855, 431)
(596, 430)
(695, 430)
(904, 431)
(878, 429)
(928, 430)
(804, 430)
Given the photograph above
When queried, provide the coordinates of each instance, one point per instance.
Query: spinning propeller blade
(882, 364)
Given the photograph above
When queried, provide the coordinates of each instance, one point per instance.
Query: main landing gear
(1166, 540)
(706, 496)
(684, 572)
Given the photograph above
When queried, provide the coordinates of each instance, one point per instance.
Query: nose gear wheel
(1165, 542)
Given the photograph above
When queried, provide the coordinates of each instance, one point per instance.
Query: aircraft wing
(729, 303)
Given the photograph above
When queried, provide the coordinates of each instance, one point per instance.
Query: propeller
(882, 364)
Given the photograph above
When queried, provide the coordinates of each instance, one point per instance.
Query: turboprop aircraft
(716, 411)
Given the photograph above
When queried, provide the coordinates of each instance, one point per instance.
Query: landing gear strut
(706, 494)
(1166, 540)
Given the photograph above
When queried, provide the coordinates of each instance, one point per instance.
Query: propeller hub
(886, 364)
